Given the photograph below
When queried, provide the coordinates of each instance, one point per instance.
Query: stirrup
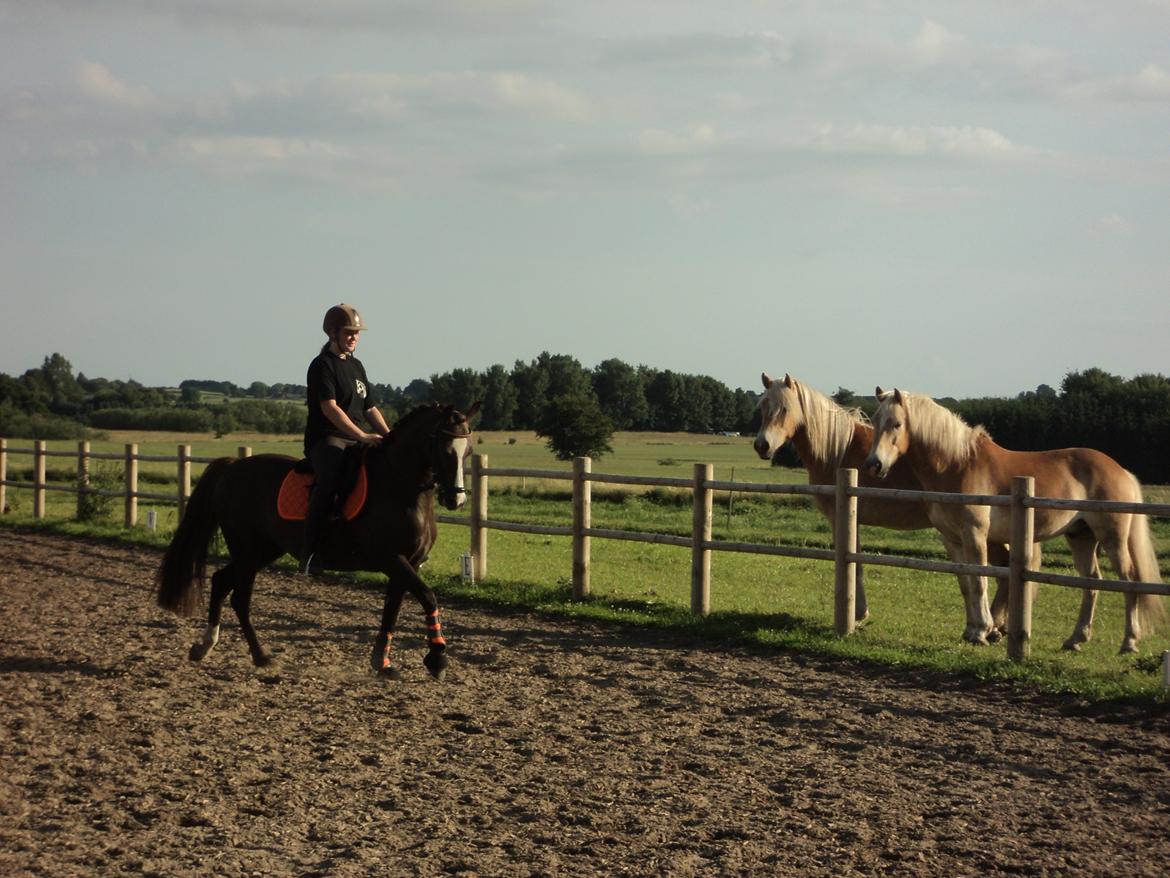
(310, 566)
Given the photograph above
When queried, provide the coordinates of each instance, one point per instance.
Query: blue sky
(963, 199)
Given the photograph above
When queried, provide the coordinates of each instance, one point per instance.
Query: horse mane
(828, 425)
(415, 414)
(938, 428)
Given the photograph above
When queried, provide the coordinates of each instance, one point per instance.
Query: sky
(960, 199)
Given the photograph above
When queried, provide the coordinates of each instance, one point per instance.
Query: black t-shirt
(342, 380)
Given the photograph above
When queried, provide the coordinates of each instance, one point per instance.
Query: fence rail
(845, 554)
(81, 486)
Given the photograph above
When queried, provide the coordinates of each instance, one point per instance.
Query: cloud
(654, 141)
(959, 142)
(97, 82)
(1115, 225)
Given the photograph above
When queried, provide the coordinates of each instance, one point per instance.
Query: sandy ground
(550, 748)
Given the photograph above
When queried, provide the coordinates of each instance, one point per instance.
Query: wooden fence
(81, 486)
(845, 554)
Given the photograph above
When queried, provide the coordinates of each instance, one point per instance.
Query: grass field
(916, 618)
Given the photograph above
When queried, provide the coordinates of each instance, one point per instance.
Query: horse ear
(474, 410)
(899, 398)
(788, 382)
(878, 393)
(766, 379)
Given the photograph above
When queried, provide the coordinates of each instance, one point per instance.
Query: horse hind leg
(221, 585)
(381, 659)
(242, 604)
(1084, 552)
(1116, 546)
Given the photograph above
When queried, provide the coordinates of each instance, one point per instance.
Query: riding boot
(321, 506)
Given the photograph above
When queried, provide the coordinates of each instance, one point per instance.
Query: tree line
(1128, 419)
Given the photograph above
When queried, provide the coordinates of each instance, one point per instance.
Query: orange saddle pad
(292, 503)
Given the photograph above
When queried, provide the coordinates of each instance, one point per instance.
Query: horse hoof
(198, 651)
(262, 660)
(994, 635)
(436, 663)
(390, 673)
(1128, 648)
(1071, 646)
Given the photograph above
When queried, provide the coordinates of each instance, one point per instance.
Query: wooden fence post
(582, 521)
(1019, 589)
(700, 538)
(184, 479)
(131, 517)
(3, 476)
(845, 544)
(82, 476)
(479, 513)
(243, 451)
(39, 479)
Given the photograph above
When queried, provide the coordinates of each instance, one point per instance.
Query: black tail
(180, 575)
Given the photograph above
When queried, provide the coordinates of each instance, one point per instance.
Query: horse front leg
(435, 660)
(972, 549)
(380, 657)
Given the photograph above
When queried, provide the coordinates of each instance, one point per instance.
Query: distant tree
(460, 388)
(575, 426)
(499, 399)
(620, 393)
(665, 395)
(845, 398)
(531, 383)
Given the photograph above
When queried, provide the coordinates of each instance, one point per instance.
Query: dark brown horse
(393, 534)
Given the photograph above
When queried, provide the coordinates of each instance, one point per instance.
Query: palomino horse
(946, 454)
(392, 534)
(827, 437)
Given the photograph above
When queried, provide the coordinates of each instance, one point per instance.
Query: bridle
(434, 445)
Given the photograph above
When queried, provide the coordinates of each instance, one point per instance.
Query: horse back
(1064, 473)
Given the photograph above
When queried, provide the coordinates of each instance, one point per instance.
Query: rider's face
(346, 340)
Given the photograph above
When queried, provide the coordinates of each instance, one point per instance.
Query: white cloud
(961, 142)
(935, 43)
(97, 82)
(1115, 225)
(654, 141)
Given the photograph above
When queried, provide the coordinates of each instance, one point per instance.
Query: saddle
(292, 502)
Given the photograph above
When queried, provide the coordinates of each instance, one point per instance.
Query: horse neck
(820, 471)
(404, 466)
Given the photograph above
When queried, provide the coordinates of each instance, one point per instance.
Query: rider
(339, 401)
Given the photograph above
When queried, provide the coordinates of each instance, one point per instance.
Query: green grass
(758, 601)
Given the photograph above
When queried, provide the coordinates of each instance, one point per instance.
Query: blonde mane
(937, 428)
(828, 426)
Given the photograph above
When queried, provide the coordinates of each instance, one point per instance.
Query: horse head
(891, 432)
(781, 415)
(442, 437)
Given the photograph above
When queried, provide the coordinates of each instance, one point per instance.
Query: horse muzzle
(452, 498)
(875, 467)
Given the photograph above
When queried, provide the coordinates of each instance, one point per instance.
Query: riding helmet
(343, 317)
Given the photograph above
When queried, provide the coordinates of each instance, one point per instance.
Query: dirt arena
(550, 748)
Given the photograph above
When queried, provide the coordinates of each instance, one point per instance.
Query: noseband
(432, 482)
